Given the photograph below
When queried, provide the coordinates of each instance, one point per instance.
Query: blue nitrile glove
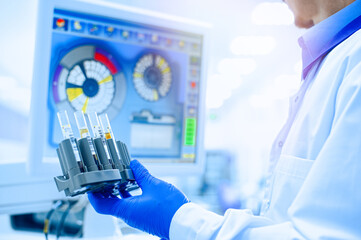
(151, 212)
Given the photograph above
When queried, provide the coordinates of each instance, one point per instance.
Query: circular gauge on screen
(152, 77)
(89, 79)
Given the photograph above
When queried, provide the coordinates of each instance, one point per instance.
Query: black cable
(48, 216)
(62, 220)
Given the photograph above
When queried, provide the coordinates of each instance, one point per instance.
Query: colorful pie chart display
(152, 77)
(89, 79)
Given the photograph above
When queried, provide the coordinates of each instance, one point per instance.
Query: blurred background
(254, 66)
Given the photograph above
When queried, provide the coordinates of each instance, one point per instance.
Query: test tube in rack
(86, 143)
(104, 120)
(100, 141)
(83, 129)
(109, 136)
(68, 134)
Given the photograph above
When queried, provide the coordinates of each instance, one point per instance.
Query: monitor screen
(145, 77)
(144, 69)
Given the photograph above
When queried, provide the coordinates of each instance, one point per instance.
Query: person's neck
(327, 8)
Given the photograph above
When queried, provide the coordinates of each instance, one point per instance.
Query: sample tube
(98, 132)
(107, 129)
(106, 126)
(95, 125)
(83, 129)
(109, 136)
(84, 133)
(68, 134)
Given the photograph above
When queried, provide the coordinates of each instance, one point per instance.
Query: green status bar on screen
(190, 132)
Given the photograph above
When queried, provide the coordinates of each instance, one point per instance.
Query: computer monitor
(146, 70)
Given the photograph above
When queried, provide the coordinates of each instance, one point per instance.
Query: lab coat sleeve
(193, 222)
(328, 205)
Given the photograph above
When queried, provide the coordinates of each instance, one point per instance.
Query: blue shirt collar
(323, 37)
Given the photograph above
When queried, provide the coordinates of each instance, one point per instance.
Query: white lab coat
(316, 185)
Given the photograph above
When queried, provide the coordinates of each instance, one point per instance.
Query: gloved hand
(151, 212)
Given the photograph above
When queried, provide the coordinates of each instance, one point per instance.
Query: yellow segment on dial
(165, 70)
(155, 95)
(107, 79)
(160, 63)
(85, 105)
(138, 75)
(74, 93)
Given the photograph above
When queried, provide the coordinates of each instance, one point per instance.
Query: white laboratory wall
(247, 100)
